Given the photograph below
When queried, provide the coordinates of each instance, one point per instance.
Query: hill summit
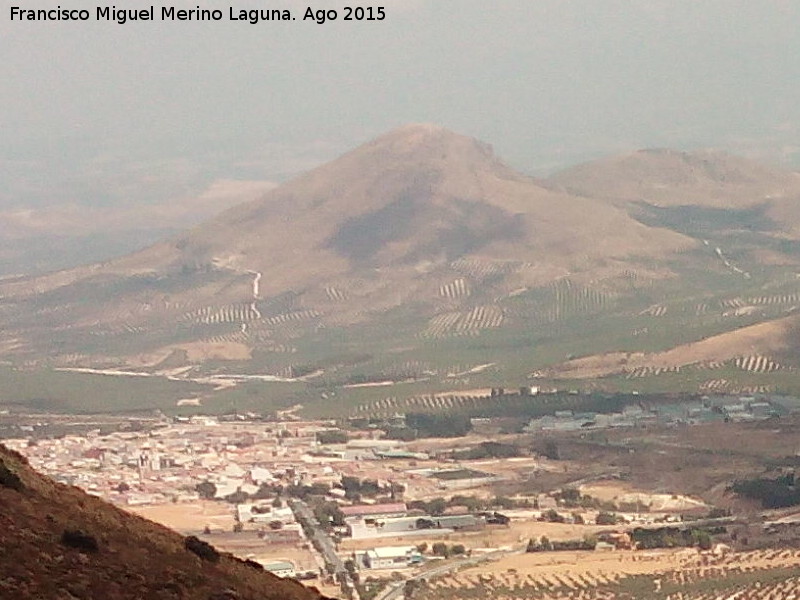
(667, 177)
(420, 220)
(419, 196)
(386, 263)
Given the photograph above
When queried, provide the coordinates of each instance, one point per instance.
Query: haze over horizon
(102, 115)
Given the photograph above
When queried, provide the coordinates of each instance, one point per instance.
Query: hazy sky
(101, 113)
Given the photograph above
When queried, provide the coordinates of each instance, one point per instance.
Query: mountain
(59, 542)
(421, 257)
(417, 198)
(712, 189)
(665, 177)
(767, 339)
(419, 216)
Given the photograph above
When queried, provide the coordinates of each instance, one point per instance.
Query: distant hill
(420, 216)
(421, 255)
(671, 178)
(713, 187)
(58, 542)
(40, 239)
(767, 339)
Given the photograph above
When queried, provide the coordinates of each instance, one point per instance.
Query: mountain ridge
(417, 167)
(666, 177)
(418, 237)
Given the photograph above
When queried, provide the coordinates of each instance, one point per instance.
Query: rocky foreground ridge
(57, 542)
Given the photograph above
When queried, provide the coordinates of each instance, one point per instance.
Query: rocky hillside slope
(56, 542)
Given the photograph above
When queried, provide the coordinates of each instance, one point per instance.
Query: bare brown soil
(755, 339)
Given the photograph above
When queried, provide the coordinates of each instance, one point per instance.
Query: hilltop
(667, 177)
(420, 256)
(58, 542)
(420, 217)
(419, 197)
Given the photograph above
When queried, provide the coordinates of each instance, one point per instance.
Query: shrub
(75, 538)
(605, 518)
(772, 493)
(254, 565)
(202, 549)
(9, 479)
(333, 436)
(206, 490)
(552, 516)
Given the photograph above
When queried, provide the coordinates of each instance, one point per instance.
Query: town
(358, 513)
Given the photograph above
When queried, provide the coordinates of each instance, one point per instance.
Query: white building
(264, 514)
(281, 568)
(390, 557)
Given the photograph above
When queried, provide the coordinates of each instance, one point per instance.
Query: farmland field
(664, 575)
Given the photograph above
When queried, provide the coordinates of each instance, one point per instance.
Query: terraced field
(465, 323)
(668, 575)
(474, 312)
(429, 403)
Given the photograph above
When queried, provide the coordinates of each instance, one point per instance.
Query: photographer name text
(121, 16)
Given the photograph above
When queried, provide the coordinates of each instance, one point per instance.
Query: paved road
(394, 591)
(323, 541)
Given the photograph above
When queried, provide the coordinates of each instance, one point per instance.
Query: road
(323, 543)
(394, 591)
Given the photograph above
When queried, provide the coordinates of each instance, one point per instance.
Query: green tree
(440, 549)
(237, 497)
(570, 497)
(206, 490)
(332, 436)
(606, 518)
(550, 450)
(437, 506)
(552, 516)
(702, 539)
(329, 514)
(350, 566)
(471, 503)
(458, 550)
